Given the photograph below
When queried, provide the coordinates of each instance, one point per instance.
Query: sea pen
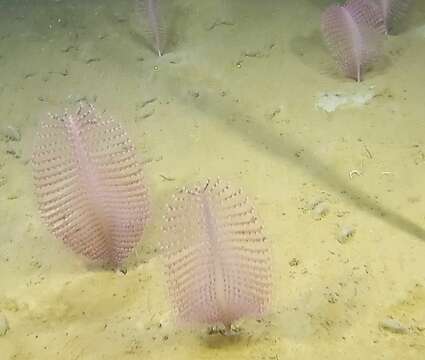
(354, 35)
(150, 12)
(216, 256)
(89, 186)
(392, 10)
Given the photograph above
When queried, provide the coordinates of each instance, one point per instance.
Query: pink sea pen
(217, 258)
(392, 10)
(152, 22)
(89, 185)
(354, 35)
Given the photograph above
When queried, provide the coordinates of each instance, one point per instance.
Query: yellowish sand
(235, 96)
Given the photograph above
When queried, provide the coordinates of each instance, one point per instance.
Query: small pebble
(4, 325)
(394, 326)
(11, 133)
(194, 93)
(13, 151)
(320, 210)
(294, 262)
(345, 232)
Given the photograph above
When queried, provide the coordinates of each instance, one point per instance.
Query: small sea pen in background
(153, 26)
(90, 187)
(354, 35)
(217, 258)
(392, 11)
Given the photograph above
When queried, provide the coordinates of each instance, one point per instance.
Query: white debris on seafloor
(330, 101)
(4, 325)
(394, 326)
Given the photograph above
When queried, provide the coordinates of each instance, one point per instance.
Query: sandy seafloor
(235, 96)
